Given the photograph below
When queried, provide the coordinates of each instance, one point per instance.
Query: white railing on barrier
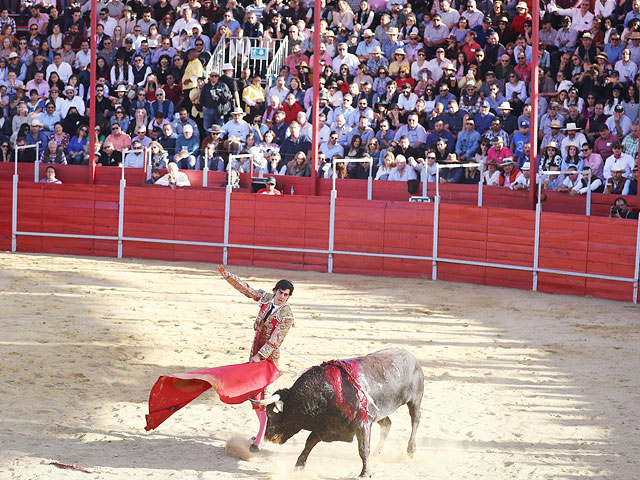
(346, 161)
(330, 252)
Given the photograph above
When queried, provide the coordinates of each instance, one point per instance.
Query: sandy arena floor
(518, 385)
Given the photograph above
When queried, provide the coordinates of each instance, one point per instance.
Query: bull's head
(281, 422)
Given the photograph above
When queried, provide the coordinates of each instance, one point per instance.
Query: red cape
(233, 383)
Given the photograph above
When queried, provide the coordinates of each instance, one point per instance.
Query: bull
(341, 399)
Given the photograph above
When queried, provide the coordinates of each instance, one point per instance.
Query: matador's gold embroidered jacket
(270, 331)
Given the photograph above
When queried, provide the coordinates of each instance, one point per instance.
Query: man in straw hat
(555, 134)
(376, 60)
(236, 128)
(391, 45)
(509, 173)
(618, 158)
(365, 47)
(573, 136)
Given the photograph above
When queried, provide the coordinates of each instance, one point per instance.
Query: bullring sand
(518, 385)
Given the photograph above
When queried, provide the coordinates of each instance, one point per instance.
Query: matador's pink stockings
(262, 418)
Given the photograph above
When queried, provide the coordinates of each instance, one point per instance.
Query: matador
(272, 323)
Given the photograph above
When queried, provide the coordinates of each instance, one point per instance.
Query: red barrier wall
(574, 243)
(357, 189)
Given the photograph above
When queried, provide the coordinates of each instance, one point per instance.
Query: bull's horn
(266, 401)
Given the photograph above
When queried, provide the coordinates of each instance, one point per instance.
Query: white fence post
(637, 270)
(14, 210)
(123, 184)
(332, 227)
(536, 240)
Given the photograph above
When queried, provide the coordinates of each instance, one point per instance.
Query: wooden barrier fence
(489, 235)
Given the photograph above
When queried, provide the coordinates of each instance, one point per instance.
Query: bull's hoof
(299, 467)
(365, 474)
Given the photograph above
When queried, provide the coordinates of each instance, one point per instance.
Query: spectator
(270, 188)
(491, 176)
(118, 139)
(50, 176)
(299, 166)
(509, 173)
(620, 210)
(36, 136)
(186, 148)
(585, 184)
(174, 177)
(618, 158)
(53, 154)
(135, 157)
(402, 172)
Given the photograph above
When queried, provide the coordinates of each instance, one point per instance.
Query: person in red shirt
(471, 46)
(270, 188)
(509, 173)
(517, 24)
(291, 108)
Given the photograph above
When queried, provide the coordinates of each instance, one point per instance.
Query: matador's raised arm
(241, 286)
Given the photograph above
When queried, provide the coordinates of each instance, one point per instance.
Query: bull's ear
(278, 407)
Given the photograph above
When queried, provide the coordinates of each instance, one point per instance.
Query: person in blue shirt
(468, 141)
(522, 136)
(37, 136)
(614, 48)
(187, 146)
(483, 118)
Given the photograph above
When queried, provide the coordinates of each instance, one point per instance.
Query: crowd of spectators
(407, 84)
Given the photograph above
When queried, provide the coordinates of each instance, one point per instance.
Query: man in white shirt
(402, 172)
(109, 23)
(581, 17)
(187, 22)
(135, 159)
(71, 100)
(618, 123)
(407, 100)
(345, 58)
(435, 64)
(174, 177)
(279, 90)
(626, 67)
(63, 69)
(618, 159)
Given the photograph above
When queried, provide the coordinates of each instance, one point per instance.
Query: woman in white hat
(550, 156)
(517, 24)
(572, 157)
(399, 61)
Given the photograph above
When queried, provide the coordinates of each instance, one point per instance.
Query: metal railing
(36, 164)
(264, 56)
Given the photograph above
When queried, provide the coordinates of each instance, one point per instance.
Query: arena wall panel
(575, 243)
